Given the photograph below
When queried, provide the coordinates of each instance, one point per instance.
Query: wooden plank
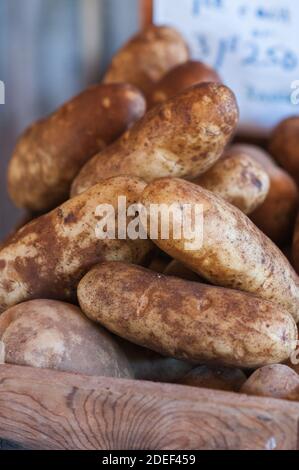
(44, 409)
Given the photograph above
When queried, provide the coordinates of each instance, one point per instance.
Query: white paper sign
(253, 44)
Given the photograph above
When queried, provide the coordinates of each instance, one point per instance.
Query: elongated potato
(276, 216)
(55, 335)
(239, 180)
(183, 137)
(144, 59)
(51, 152)
(186, 320)
(179, 78)
(48, 257)
(233, 252)
(215, 378)
(277, 381)
(284, 145)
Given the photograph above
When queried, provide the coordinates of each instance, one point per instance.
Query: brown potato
(183, 137)
(186, 320)
(238, 179)
(147, 57)
(276, 216)
(55, 335)
(284, 146)
(177, 269)
(179, 79)
(51, 152)
(233, 253)
(277, 381)
(48, 257)
(224, 378)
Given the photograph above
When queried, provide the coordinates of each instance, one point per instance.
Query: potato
(147, 57)
(233, 252)
(239, 180)
(277, 381)
(224, 378)
(51, 152)
(48, 257)
(177, 269)
(56, 335)
(276, 216)
(150, 366)
(284, 146)
(183, 137)
(179, 78)
(186, 320)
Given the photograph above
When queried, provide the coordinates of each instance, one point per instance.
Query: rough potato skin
(56, 335)
(51, 152)
(234, 252)
(183, 137)
(276, 216)
(215, 378)
(284, 146)
(186, 320)
(179, 78)
(276, 381)
(48, 257)
(147, 57)
(239, 180)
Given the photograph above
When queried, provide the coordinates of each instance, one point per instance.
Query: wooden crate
(43, 409)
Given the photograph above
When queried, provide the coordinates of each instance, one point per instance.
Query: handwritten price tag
(253, 45)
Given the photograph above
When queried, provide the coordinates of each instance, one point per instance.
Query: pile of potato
(222, 316)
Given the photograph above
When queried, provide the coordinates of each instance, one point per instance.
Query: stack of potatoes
(159, 129)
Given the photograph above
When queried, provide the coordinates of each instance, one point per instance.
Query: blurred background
(49, 51)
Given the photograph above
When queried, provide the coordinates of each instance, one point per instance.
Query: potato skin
(277, 381)
(186, 320)
(179, 78)
(284, 146)
(51, 152)
(144, 59)
(48, 257)
(234, 252)
(183, 137)
(56, 335)
(239, 180)
(276, 216)
(215, 378)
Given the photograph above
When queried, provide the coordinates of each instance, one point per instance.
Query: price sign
(253, 45)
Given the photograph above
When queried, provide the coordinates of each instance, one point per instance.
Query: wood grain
(44, 409)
